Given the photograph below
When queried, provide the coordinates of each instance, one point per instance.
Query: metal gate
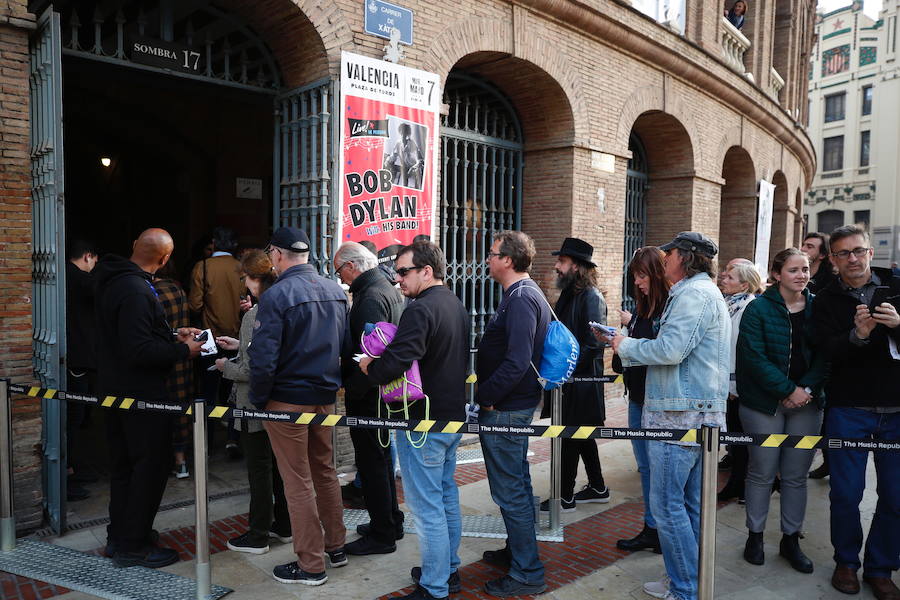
(303, 166)
(635, 212)
(48, 255)
(481, 189)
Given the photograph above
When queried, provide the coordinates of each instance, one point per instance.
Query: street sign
(382, 17)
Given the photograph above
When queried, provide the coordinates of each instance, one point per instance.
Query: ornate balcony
(776, 83)
(734, 44)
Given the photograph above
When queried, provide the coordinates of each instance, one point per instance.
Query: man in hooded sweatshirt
(136, 351)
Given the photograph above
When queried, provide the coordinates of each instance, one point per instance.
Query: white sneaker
(658, 589)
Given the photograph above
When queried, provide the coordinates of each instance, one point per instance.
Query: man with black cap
(687, 387)
(295, 366)
(580, 302)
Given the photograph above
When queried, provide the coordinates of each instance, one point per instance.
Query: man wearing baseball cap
(687, 387)
(295, 366)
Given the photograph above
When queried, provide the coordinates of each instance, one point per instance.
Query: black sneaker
(506, 586)
(453, 582)
(499, 558)
(233, 451)
(564, 505)
(590, 494)
(353, 496)
(246, 543)
(420, 593)
(285, 537)
(152, 557)
(366, 528)
(337, 558)
(292, 573)
(110, 549)
(369, 545)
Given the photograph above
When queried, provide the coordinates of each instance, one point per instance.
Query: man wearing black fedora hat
(581, 302)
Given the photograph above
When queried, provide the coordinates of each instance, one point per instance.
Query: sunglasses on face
(403, 271)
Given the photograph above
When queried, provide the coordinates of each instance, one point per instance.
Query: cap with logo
(692, 241)
(290, 238)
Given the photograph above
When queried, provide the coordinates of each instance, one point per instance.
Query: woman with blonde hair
(741, 284)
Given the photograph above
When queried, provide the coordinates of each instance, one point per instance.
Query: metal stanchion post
(709, 444)
(7, 517)
(200, 501)
(555, 459)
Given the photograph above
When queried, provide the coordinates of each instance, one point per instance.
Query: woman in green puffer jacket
(779, 381)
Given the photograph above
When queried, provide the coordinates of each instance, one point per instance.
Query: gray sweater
(239, 372)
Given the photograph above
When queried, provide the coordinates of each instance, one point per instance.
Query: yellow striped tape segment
(583, 433)
(553, 431)
(774, 440)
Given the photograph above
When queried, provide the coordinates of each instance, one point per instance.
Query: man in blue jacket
(295, 366)
(687, 386)
(508, 393)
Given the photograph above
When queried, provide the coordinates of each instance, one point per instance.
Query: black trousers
(376, 473)
(740, 457)
(265, 483)
(79, 382)
(140, 446)
(586, 450)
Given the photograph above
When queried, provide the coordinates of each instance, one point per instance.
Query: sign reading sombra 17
(389, 136)
(159, 53)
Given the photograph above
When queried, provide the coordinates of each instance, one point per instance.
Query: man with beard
(580, 302)
(821, 271)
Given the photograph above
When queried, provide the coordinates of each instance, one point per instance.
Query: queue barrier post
(201, 508)
(7, 516)
(709, 445)
(555, 459)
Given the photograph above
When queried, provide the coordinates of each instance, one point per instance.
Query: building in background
(854, 122)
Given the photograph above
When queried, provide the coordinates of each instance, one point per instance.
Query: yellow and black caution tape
(807, 442)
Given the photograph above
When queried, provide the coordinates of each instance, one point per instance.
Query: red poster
(389, 134)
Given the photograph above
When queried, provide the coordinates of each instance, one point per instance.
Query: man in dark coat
(580, 302)
(136, 351)
(374, 300)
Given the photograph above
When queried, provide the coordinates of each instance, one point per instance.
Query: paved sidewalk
(587, 565)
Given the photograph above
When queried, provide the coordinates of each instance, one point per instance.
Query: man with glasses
(433, 330)
(863, 392)
(508, 393)
(295, 366)
(374, 300)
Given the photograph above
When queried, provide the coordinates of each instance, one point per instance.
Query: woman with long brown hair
(651, 290)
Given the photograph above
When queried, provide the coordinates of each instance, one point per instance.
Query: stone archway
(783, 216)
(737, 220)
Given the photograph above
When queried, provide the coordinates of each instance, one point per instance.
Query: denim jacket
(690, 357)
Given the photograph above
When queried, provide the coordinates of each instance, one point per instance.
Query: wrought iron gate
(303, 166)
(481, 189)
(635, 212)
(48, 254)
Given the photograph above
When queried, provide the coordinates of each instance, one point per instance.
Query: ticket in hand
(604, 329)
(209, 343)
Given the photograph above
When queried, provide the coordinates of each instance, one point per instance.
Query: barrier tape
(577, 432)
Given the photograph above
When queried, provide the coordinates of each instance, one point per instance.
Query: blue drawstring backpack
(560, 355)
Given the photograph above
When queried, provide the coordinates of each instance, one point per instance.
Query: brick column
(15, 256)
(738, 228)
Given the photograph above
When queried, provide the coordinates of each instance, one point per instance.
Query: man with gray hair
(374, 300)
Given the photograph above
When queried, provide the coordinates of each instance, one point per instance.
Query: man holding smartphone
(858, 327)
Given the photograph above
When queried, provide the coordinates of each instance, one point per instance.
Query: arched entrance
(782, 216)
(481, 188)
(166, 112)
(635, 211)
(737, 217)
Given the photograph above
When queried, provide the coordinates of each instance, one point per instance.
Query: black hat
(290, 238)
(692, 241)
(579, 249)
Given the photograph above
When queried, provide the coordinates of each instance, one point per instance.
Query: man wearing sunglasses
(863, 392)
(433, 330)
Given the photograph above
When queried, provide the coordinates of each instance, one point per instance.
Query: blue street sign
(382, 17)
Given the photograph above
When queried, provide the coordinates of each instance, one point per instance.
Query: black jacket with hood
(135, 347)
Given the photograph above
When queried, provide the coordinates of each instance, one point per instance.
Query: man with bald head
(136, 351)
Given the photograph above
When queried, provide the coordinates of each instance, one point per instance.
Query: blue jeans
(432, 495)
(848, 482)
(675, 501)
(639, 447)
(506, 462)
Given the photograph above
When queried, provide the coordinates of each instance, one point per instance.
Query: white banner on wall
(764, 227)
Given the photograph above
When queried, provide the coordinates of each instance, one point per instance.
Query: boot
(753, 550)
(647, 539)
(790, 549)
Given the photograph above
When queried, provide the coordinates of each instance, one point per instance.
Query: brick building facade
(711, 110)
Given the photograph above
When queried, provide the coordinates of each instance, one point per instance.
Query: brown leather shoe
(883, 588)
(845, 579)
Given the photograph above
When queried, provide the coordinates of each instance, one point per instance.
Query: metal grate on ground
(97, 576)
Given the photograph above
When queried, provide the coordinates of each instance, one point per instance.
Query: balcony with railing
(734, 45)
(776, 83)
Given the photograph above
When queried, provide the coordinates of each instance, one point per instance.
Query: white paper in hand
(358, 357)
(209, 346)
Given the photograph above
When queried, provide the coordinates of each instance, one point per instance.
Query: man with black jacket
(863, 392)
(295, 366)
(580, 303)
(434, 330)
(508, 393)
(136, 351)
(374, 300)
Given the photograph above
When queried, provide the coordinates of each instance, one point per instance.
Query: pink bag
(407, 387)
